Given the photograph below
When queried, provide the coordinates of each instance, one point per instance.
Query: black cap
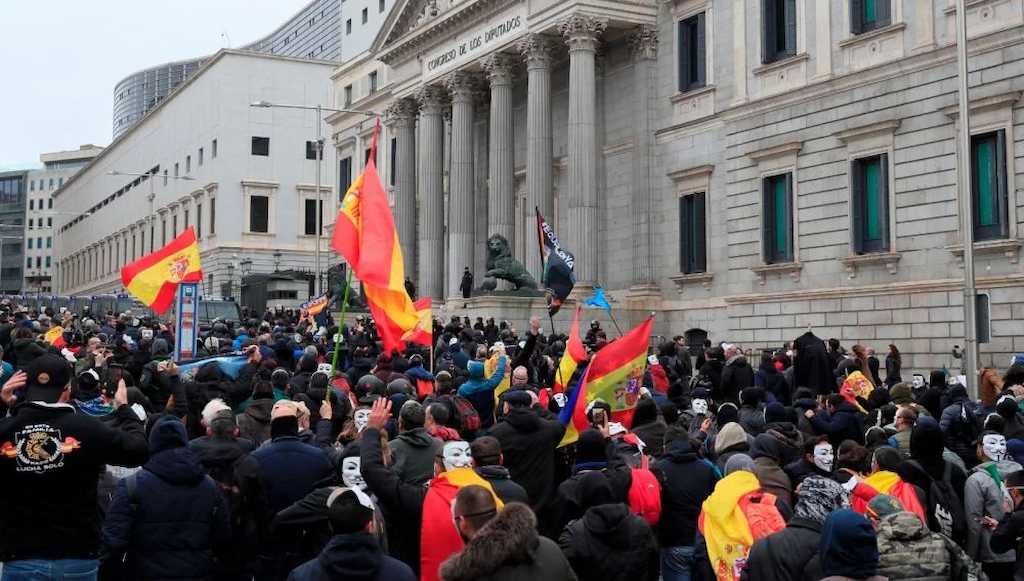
(48, 371)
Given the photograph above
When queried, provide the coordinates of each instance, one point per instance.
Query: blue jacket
(480, 391)
(174, 518)
(353, 557)
(289, 470)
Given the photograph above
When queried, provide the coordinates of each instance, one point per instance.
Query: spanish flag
(574, 354)
(615, 375)
(55, 337)
(154, 278)
(365, 235)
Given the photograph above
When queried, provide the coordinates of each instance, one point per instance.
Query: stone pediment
(414, 23)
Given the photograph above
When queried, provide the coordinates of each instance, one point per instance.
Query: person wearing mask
(985, 495)
(488, 462)
(848, 550)
(686, 482)
(428, 535)
(844, 421)
(818, 460)
(353, 552)
(529, 437)
(50, 470)
(414, 449)
(169, 519)
(789, 553)
(283, 471)
(501, 545)
(609, 542)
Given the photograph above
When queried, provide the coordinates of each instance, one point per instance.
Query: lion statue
(500, 264)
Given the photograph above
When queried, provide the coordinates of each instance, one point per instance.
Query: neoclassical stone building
(745, 168)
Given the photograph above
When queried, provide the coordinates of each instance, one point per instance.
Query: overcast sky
(60, 60)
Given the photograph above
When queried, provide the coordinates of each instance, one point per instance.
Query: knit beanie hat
(591, 447)
(775, 412)
(901, 394)
(739, 462)
(730, 435)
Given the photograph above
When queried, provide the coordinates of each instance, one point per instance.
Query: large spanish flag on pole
(615, 375)
(365, 235)
(574, 354)
(154, 278)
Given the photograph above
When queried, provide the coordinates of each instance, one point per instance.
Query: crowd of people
(445, 463)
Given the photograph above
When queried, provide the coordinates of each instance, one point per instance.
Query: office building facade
(13, 185)
(747, 170)
(312, 33)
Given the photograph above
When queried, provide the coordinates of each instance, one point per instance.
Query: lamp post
(150, 219)
(319, 161)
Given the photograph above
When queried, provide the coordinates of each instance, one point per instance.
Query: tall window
(871, 204)
(311, 150)
(311, 216)
(200, 160)
(32, 185)
(49, 222)
(692, 234)
(175, 169)
(165, 178)
(988, 185)
(259, 213)
(348, 95)
(174, 225)
(692, 57)
(261, 146)
(380, 5)
(213, 149)
(199, 221)
(163, 232)
(60, 182)
(777, 215)
(30, 244)
(365, 15)
(186, 218)
(348, 26)
(48, 262)
(31, 204)
(344, 176)
(394, 156)
(867, 15)
(49, 204)
(373, 82)
(49, 242)
(778, 29)
(188, 164)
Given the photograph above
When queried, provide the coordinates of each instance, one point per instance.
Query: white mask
(699, 407)
(350, 473)
(560, 399)
(361, 418)
(994, 447)
(823, 456)
(456, 455)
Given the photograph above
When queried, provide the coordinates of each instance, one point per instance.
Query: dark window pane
(989, 186)
(394, 157)
(261, 146)
(344, 176)
(311, 150)
(259, 213)
(692, 232)
(777, 233)
(310, 217)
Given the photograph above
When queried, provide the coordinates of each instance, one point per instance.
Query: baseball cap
(48, 371)
(883, 505)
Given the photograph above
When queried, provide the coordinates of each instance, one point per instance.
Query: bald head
(520, 376)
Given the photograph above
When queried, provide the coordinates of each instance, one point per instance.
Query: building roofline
(281, 27)
(213, 60)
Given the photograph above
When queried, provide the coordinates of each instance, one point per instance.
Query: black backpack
(946, 513)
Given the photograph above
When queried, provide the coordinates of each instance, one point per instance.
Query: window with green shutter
(870, 204)
(868, 15)
(692, 234)
(988, 185)
(777, 215)
(778, 30)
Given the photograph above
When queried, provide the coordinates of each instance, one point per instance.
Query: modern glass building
(313, 33)
(12, 220)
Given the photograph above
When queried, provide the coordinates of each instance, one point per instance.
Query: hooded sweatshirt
(353, 557)
(986, 495)
(480, 390)
(848, 548)
(414, 451)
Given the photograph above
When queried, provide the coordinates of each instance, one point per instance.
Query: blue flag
(598, 300)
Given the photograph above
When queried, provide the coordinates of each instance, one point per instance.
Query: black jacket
(611, 543)
(48, 488)
(26, 350)
(353, 557)
(413, 455)
(846, 423)
(508, 548)
(812, 367)
(786, 555)
(528, 443)
(508, 490)
(289, 470)
(686, 481)
(254, 423)
(736, 376)
(174, 520)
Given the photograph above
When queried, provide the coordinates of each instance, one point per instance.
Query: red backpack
(645, 493)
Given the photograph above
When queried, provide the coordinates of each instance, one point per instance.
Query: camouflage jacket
(909, 550)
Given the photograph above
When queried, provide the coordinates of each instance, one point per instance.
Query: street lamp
(151, 219)
(319, 162)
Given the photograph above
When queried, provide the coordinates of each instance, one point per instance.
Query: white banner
(476, 43)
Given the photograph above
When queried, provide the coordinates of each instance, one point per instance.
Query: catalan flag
(365, 235)
(574, 354)
(615, 375)
(154, 278)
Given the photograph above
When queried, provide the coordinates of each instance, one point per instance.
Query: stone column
(501, 201)
(482, 110)
(536, 49)
(644, 45)
(401, 116)
(432, 101)
(461, 217)
(581, 33)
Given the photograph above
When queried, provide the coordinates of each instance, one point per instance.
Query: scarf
(94, 407)
(439, 539)
(819, 497)
(724, 524)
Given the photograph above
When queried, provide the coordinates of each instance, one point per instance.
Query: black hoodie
(528, 442)
(353, 557)
(686, 481)
(612, 544)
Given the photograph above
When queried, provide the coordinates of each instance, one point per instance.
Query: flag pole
(614, 322)
(341, 323)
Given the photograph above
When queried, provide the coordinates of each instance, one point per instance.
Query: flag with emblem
(154, 278)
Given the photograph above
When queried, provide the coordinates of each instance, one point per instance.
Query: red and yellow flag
(154, 278)
(615, 375)
(574, 354)
(365, 235)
